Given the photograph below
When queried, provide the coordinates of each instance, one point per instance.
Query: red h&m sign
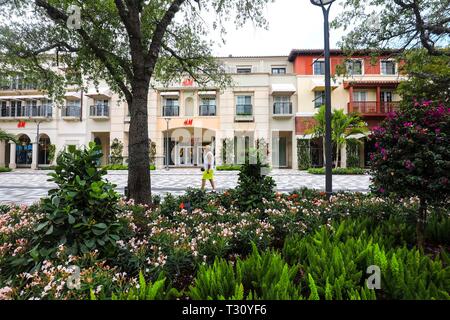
(188, 122)
(21, 124)
(188, 83)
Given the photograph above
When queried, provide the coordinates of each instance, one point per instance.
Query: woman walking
(208, 168)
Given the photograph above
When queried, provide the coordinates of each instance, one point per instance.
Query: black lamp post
(167, 144)
(326, 5)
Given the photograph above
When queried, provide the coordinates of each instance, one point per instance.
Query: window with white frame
(171, 107)
(388, 67)
(207, 107)
(244, 69)
(359, 96)
(354, 67)
(319, 67)
(244, 105)
(278, 70)
(282, 105)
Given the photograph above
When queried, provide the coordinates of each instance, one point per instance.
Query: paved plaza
(27, 186)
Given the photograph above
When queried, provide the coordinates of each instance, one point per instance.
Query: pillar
(12, 155)
(344, 155)
(34, 162)
(2, 153)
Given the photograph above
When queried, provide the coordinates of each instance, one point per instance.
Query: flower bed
(174, 242)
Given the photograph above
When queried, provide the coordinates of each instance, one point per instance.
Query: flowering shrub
(412, 156)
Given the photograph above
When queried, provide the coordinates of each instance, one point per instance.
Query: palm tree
(344, 125)
(4, 136)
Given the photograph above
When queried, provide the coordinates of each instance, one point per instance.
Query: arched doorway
(44, 148)
(24, 151)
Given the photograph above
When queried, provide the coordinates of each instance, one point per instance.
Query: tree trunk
(420, 225)
(139, 187)
(337, 155)
(324, 153)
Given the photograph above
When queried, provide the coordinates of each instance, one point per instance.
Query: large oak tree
(126, 43)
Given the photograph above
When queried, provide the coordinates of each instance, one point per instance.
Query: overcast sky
(292, 24)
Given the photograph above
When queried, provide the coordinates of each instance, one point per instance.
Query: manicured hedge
(5, 169)
(229, 167)
(338, 171)
(122, 167)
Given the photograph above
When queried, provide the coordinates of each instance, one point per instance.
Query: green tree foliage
(429, 77)
(4, 136)
(116, 152)
(412, 156)
(125, 43)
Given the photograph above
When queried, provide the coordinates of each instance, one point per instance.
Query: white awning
(283, 88)
(73, 95)
(23, 97)
(105, 94)
(207, 93)
(319, 84)
(305, 136)
(357, 136)
(169, 93)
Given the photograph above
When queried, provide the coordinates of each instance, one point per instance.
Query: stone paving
(27, 186)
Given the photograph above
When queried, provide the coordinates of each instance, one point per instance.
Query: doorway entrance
(24, 152)
(184, 156)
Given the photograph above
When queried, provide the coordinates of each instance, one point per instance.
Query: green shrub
(122, 167)
(303, 154)
(259, 277)
(253, 186)
(81, 213)
(229, 167)
(2, 169)
(338, 171)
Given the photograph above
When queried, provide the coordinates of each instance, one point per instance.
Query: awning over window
(73, 95)
(319, 84)
(207, 93)
(357, 136)
(102, 94)
(169, 93)
(305, 136)
(283, 88)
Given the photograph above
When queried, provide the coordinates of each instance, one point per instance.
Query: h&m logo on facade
(188, 82)
(188, 122)
(21, 124)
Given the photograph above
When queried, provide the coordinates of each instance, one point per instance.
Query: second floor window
(388, 67)
(282, 105)
(171, 107)
(244, 106)
(72, 109)
(354, 67)
(319, 67)
(207, 107)
(319, 99)
(359, 96)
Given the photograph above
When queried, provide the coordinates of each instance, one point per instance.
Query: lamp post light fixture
(326, 5)
(167, 144)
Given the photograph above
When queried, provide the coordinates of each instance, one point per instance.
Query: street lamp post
(326, 5)
(167, 144)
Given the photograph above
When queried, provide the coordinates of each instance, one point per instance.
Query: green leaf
(71, 219)
(49, 231)
(100, 226)
(41, 226)
(55, 201)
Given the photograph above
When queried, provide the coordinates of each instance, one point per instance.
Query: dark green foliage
(262, 276)
(253, 187)
(2, 169)
(303, 154)
(229, 167)
(353, 160)
(116, 152)
(349, 171)
(122, 167)
(81, 213)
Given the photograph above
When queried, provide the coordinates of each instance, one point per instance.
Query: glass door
(184, 156)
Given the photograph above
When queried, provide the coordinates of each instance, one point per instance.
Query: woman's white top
(208, 160)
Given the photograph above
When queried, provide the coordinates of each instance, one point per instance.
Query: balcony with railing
(244, 113)
(282, 109)
(207, 111)
(99, 111)
(21, 112)
(171, 111)
(71, 112)
(373, 108)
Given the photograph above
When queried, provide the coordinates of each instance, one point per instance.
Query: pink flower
(409, 165)
(408, 124)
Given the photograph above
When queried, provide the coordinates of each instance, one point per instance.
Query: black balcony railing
(171, 111)
(282, 108)
(207, 110)
(26, 111)
(244, 110)
(71, 111)
(99, 110)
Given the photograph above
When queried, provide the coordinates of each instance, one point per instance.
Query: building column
(2, 153)
(344, 155)
(12, 155)
(379, 100)
(34, 161)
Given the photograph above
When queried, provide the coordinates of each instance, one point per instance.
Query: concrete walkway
(28, 186)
